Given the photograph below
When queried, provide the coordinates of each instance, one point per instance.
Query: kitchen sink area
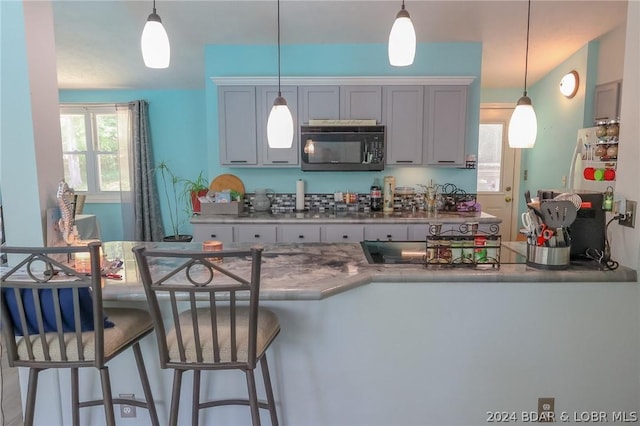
(394, 252)
(413, 252)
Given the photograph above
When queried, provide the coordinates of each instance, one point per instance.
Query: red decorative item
(589, 173)
(609, 174)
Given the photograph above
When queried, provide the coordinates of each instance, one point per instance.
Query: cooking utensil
(544, 235)
(558, 213)
(574, 198)
(227, 181)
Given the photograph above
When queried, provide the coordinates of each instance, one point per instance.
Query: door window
(489, 157)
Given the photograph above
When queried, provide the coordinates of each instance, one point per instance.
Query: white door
(498, 170)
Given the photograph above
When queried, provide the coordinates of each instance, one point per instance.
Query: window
(95, 150)
(489, 157)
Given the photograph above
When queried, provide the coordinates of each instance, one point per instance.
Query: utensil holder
(551, 258)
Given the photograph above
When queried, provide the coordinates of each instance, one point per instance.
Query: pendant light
(523, 126)
(156, 50)
(402, 40)
(280, 121)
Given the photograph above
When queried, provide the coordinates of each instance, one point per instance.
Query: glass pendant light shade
(280, 121)
(280, 125)
(523, 126)
(156, 50)
(402, 40)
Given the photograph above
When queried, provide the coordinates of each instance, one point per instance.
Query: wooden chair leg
(269, 390)
(75, 397)
(195, 404)
(32, 390)
(146, 388)
(253, 398)
(106, 395)
(175, 397)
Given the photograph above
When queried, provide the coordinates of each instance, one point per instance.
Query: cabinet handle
(345, 237)
(446, 161)
(256, 236)
(300, 236)
(389, 237)
(238, 161)
(280, 162)
(214, 236)
(404, 161)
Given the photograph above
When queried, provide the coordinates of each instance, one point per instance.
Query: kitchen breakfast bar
(381, 344)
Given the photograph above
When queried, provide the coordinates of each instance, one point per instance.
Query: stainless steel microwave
(342, 148)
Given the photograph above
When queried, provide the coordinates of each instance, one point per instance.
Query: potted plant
(194, 189)
(171, 189)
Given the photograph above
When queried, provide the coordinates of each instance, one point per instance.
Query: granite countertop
(314, 271)
(311, 217)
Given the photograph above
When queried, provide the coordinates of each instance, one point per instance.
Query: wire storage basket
(464, 247)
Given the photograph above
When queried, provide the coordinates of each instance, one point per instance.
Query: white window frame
(89, 111)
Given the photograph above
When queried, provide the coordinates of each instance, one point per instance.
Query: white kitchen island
(401, 345)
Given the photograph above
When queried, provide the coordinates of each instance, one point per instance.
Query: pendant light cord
(526, 60)
(154, 6)
(279, 92)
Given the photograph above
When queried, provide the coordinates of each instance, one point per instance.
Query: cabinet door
(403, 108)
(203, 232)
(361, 103)
(318, 102)
(385, 232)
(282, 157)
(255, 234)
(237, 124)
(342, 233)
(445, 127)
(299, 234)
(607, 101)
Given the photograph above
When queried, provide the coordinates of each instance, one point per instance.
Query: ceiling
(97, 41)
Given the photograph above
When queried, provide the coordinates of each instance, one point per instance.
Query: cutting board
(227, 181)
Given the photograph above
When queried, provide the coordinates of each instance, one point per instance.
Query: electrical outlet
(127, 410)
(546, 410)
(629, 215)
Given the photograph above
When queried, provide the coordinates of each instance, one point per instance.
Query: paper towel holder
(300, 196)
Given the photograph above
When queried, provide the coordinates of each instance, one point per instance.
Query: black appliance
(589, 228)
(342, 148)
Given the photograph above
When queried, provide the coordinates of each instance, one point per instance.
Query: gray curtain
(141, 216)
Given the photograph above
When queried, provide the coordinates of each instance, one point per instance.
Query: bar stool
(226, 330)
(52, 317)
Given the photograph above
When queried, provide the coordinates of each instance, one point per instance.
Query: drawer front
(222, 233)
(254, 234)
(299, 234)
(385, 233)
(343, 233)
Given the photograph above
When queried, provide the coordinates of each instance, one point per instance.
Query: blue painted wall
(177, 120)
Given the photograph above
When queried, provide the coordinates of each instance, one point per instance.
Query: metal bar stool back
(52, 317)
(213, 322)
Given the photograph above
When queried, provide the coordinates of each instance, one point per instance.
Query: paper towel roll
(299, 195)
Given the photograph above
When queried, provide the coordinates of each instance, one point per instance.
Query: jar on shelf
(613, 129)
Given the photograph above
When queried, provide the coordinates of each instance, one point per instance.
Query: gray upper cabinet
(237, 121)
(607, 101)
(361, 103)
(403, 109)
(318, 102)
(445, 125)
(277, 157)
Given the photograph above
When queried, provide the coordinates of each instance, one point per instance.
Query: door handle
(507, 199)
(508, 188)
